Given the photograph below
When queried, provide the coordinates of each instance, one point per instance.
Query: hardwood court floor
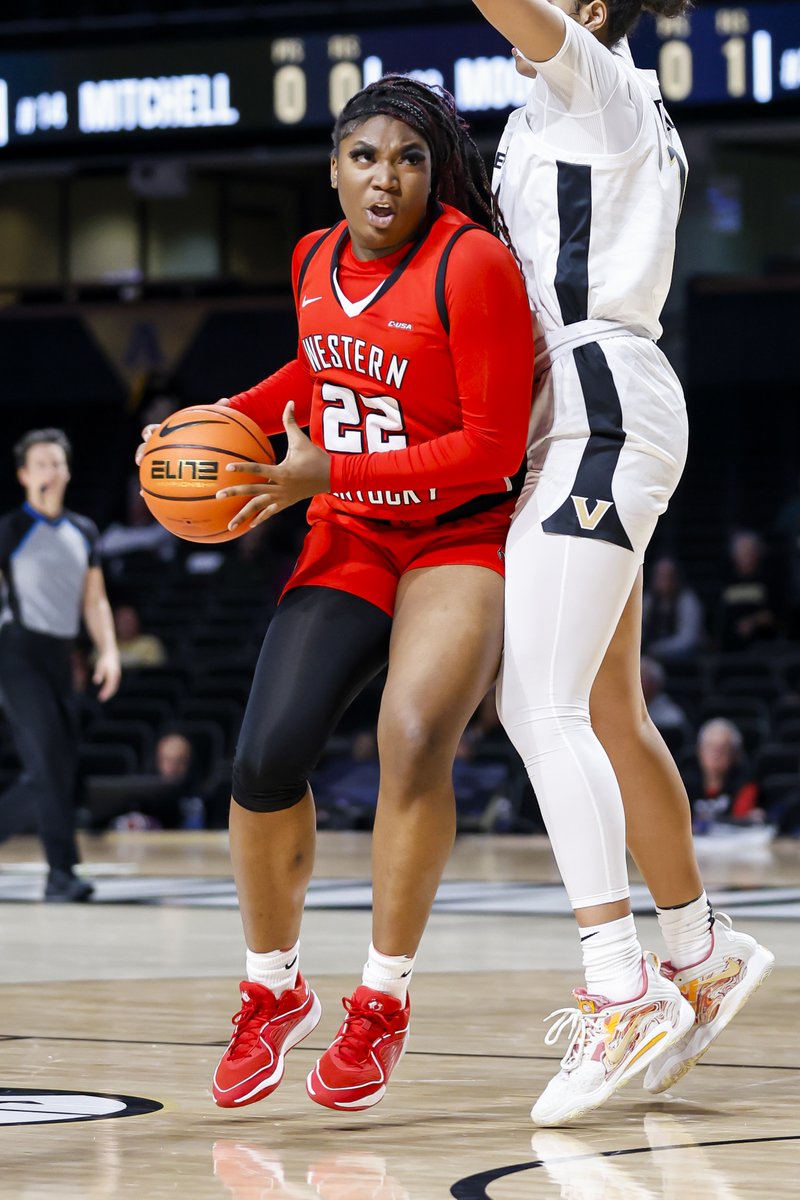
(133, 1000)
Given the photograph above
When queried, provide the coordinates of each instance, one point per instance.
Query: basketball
(183, 468)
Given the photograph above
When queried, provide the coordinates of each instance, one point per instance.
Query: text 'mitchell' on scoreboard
(717, 55)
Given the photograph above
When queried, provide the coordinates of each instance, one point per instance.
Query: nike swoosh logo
(406, 974)
(623, 1040)
(304, 303)
(165, 430)
(588, 935)
(291, 964)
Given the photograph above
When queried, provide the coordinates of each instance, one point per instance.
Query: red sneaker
(354, 1071)
(265, 1030)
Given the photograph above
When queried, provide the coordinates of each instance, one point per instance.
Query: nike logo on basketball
(590, 520)
(304, 303)
(167, 429)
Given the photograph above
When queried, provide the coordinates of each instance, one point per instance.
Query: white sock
(388, 973)
(612, 959)
(687, 931)
(276, 970)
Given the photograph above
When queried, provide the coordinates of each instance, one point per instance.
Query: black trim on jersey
(574, 223)
(392, 279)
(489, 500)
(478, 504)
(441, 273)
(599, 461)
(471, 508)
(306, 263)
(682, 171)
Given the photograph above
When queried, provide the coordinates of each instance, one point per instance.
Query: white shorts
(609, 437)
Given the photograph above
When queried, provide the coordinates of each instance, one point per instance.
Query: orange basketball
(184, 467)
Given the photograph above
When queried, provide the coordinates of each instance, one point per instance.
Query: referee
(50, 578)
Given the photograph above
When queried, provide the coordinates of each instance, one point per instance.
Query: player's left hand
(107, 675)
(305, 472)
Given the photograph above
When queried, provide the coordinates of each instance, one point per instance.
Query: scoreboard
(207, 91)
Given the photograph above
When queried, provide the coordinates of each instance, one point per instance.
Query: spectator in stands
(346, 786)
(178, 803)
(136, 649)
(665, 714)
(747, 610)
(139, 533)
(672, 615)
(175, 763)
(720, 783)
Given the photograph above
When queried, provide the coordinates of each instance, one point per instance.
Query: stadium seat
(225, 714)
(135, 734)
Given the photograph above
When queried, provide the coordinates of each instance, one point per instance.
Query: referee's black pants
(39, 704)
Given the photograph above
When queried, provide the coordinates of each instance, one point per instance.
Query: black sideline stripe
(601, 455)
(574, 188)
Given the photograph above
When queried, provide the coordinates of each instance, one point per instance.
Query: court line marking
(33, 1037)
(506, 898)
(473, 1187)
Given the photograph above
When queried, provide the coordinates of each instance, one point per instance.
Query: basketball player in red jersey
(414, 372)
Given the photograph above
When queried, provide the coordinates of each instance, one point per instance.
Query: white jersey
(590, 177)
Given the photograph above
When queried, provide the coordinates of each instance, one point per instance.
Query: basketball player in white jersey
(590, 177)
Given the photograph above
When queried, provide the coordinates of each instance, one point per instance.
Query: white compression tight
(564, 598)
(565, 594)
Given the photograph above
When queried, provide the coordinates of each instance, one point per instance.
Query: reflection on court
(130, 1000)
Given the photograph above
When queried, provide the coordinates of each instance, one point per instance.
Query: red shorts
(368, 558)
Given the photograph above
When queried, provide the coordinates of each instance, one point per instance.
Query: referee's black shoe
(65, 888)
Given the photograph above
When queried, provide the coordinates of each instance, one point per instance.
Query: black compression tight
(321, 649)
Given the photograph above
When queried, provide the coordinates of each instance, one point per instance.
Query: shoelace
(579, 1027)
(247, 1025)
(358, 1035)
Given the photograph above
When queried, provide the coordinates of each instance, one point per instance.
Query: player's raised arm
(534, 26)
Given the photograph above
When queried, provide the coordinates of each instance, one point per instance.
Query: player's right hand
(149, 430)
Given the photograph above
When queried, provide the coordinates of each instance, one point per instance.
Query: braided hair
(458, 173)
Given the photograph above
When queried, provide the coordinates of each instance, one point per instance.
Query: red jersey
(414, 371)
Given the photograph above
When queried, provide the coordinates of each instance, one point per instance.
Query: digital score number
(721, 54)
(290, 88)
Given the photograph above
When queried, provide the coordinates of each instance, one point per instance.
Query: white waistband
(556, 342)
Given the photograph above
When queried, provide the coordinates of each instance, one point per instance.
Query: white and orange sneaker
(265, 1029)
(716, 988)
(610, 1042)
(354, 1070)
